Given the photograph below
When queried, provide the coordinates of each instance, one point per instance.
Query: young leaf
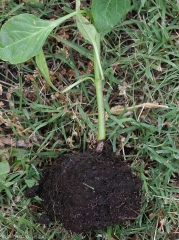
(107, 13)
(89, 32)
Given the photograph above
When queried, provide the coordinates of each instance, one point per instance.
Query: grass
(141, 60)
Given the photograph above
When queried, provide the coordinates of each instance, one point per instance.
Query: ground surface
(89, 191)
(38, 125)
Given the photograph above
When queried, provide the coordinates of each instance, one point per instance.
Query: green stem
(98, 77)
(64, 18)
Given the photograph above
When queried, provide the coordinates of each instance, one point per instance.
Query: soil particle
(89, 191)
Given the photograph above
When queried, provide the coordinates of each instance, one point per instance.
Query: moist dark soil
(89, 191)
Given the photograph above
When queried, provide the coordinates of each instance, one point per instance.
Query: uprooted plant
(94, 189)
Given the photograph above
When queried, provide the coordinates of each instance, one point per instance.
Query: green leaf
(30, 183)
(42, 65)
(23, 36)
(89, 32)
(76, 83)
(4, 167)
(107, 13)
(143, 3)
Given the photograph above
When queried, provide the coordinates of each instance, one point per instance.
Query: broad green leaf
(107, 13)
(42, 65)
(4, 167)
(23, 36)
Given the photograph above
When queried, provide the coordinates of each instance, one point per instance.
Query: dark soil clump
(89, 191)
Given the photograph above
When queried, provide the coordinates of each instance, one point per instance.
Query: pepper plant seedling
(23, 36)
(90, 190)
